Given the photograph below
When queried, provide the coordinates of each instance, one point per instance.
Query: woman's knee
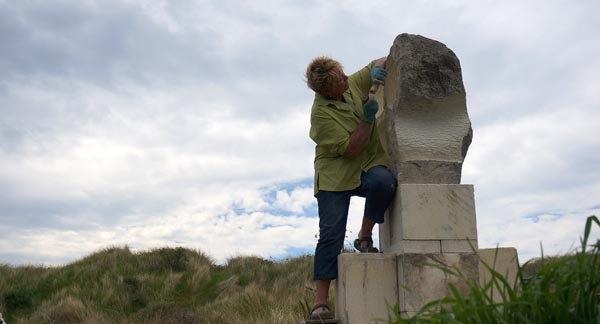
(384, 180)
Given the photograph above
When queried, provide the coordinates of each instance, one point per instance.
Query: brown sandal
(326, 314)
(369, 248)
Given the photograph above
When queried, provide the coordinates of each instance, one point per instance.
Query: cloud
(118, 143)
(209, 223)
(186, 123)
(548, 233)
(296, 200)
(535, 178)
(99, 43)
(517, 155)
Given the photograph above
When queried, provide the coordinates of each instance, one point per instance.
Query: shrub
(562, 290)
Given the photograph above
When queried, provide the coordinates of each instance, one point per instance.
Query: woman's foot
(364, 244)
(321, 312)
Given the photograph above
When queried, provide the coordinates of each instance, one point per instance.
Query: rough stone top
(429, 69)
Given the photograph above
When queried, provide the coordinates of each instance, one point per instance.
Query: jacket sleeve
(362, 77)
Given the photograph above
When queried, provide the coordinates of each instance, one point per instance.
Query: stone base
(366, 285)
(422, 280)
(430, 218)
(435, 246)
(505, 261)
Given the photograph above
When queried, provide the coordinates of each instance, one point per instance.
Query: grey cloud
(10, 138)
(36, 259)
(103, 43)
(99, 43)
(94, 211)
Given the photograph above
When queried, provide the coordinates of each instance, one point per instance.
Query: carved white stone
(425, 112)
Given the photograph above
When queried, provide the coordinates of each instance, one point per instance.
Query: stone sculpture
(428, 128)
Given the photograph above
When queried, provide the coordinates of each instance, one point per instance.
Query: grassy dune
(159, 286)
(184, 286)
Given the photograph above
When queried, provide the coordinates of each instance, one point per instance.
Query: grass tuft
(549, 290)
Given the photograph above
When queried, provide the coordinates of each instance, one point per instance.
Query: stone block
(366, 281)
(425, 112)
(458, 246)
(417, 246)
(505, 261)
(442, 212)
(429, 212)
(422, 280)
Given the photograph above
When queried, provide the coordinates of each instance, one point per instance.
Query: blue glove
(378, 75)
(370, 110)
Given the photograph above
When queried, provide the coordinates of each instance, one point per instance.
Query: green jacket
(331, 124)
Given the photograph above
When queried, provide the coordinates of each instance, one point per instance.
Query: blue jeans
(378, 186)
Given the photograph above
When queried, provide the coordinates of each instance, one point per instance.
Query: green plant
(561, 290)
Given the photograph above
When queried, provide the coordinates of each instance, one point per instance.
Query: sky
(154, 124)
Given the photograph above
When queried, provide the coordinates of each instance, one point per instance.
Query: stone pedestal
(430, 218)
(366, 285)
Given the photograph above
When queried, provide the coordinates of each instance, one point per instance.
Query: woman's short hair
(320, 75)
